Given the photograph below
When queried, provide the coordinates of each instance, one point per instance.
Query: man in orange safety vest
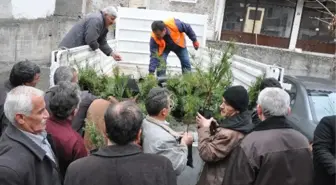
(167, 36)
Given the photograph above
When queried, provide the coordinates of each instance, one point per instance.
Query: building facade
(286, 24)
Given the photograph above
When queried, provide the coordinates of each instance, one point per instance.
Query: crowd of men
(42, 138)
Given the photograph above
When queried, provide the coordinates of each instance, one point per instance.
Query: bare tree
(330, 19)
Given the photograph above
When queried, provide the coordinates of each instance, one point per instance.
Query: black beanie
(237, 97)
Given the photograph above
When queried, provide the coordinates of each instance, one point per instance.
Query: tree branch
(325, 8)
(317, 18)
(333, 1)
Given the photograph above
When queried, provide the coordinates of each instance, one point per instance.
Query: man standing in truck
(168, 35)
(92, 31)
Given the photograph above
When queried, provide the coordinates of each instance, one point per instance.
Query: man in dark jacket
(122, 162)
(22, 73)
(63, 103)
(215, 144)
(324, 151)
(267, 82)
(27, 155)
(92, 31)
(273, 153)
(169, 35)
(69, 74)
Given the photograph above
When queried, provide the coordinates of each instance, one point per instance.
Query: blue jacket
(170, 45)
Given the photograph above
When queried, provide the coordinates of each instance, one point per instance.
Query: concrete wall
(94, 5)
(31, 39)
(31, 9)
(295, 63)
(69, 8)
(31, 30)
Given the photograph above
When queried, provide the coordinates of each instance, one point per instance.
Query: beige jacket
(159, 138)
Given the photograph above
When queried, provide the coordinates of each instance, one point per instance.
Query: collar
(168, 31)
(59, 122)
(153, 120)
(20, 136)
(241, 122)
(275, 122)
(39, 137)
(102, 14)
(118, 150)
(164, 125)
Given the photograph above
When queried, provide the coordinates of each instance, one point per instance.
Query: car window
(324, 104)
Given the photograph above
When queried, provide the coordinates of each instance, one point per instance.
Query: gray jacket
(158, 138)
(89, 31)
(23, 162)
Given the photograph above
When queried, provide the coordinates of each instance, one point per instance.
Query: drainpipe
(219, 19)
(296, 25)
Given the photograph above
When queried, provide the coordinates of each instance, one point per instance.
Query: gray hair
(19, 101)
(274, 102)
(111, 11)
(64, 99)
(64, 73)
(157, 99)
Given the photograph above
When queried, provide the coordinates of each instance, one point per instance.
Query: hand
(187, 139)
(196, 45)
(116, 56)
(202, 121)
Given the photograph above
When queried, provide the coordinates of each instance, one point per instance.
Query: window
(324, 104)
(278, 19)
(233, 16)
(314, 34)
(261, 22)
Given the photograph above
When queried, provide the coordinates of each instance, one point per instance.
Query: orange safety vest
(175, 34)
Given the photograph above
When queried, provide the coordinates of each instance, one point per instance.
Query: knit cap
(237, 97)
